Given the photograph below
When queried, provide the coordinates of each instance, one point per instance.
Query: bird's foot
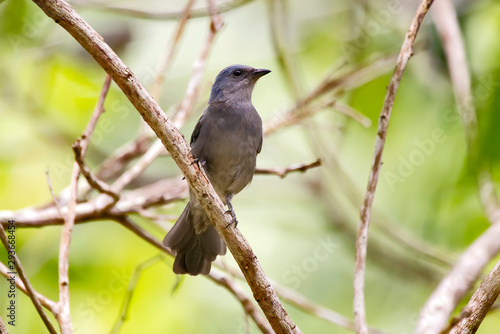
(233, 216)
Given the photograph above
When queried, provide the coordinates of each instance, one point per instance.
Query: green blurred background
(49, 87)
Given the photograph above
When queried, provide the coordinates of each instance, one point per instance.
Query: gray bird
(225, 141)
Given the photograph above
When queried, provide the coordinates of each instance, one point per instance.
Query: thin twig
(480, 303)
(64, 316)
(362, 238)
(12, 256)
(283, 171)
(93, 181)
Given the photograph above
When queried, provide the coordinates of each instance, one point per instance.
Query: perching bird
(225, 141)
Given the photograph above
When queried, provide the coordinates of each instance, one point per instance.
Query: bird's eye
(236, 73)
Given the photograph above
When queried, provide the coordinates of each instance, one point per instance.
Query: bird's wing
(196, 130)
(260, 145)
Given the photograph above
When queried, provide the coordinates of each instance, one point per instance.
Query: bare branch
(480, 303)
(12, 256)
(362, 238)
(93, 181)
(436, 311)
(283, 171)
(159, 193)
(44, 301)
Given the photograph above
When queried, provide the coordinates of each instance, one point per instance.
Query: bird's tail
(194, 253)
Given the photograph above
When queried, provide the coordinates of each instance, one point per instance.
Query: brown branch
(159, 193)
(480, 303)
(435, 313)
(64, 15)
(362, 238)
(183, 111)
(12, 256)
(283, 171)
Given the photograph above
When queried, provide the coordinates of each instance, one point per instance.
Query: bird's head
(235, 83)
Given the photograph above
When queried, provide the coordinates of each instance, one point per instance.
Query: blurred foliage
(49, 88)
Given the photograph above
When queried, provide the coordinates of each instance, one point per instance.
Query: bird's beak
(259, 72)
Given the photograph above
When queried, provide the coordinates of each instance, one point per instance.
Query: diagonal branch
(480, 303)
(20, 271)
(362, 238)
(64, 15)
(44, 301)
(283, 171)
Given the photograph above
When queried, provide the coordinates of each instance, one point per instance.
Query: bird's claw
(233, 220)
